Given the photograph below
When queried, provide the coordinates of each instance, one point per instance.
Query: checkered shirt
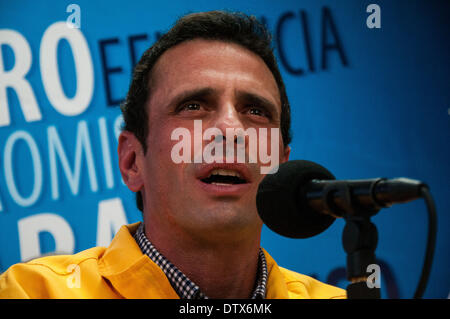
(183, 286)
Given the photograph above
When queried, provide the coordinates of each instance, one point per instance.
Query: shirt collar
(184, 287)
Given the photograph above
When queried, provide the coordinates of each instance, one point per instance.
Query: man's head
(215, 67)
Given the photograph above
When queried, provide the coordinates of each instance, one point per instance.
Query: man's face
(225, 86)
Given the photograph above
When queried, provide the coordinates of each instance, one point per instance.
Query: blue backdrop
(366, 102)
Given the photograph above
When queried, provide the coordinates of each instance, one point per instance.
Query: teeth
(224, 172)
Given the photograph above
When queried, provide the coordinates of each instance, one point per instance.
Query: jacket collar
(276, 284)
(136, 276)
(132, 273)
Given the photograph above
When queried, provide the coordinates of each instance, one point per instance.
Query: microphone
(303, 198)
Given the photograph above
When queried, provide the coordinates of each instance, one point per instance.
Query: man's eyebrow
(195, 94)
(206, 92)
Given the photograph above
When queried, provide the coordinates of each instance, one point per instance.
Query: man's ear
(286, 153)
(130, 152)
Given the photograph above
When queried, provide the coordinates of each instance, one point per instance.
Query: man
(201, 232)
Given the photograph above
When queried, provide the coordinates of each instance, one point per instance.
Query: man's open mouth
(224, 177)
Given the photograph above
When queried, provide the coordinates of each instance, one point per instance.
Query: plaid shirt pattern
(183, 286)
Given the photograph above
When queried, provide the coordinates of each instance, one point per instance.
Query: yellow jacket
(123, 271)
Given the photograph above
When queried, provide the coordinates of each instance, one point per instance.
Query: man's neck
(221, 269)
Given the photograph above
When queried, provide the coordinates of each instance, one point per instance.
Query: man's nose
(229, 122)
(228, 117)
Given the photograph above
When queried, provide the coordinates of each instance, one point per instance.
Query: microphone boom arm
(357, 201)
(340, 197)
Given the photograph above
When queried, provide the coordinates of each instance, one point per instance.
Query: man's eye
(257, 111)
(190, 107)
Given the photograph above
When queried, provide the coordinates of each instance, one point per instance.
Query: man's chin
(224, 221)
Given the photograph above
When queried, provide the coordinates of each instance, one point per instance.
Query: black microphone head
(281, 200)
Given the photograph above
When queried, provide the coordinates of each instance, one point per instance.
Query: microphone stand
(360, 239)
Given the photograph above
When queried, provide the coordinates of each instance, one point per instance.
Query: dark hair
(236, 28)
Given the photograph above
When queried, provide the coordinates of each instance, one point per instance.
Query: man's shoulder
(63, 264)
(301, 286)
(37, 278)
(82, 275)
